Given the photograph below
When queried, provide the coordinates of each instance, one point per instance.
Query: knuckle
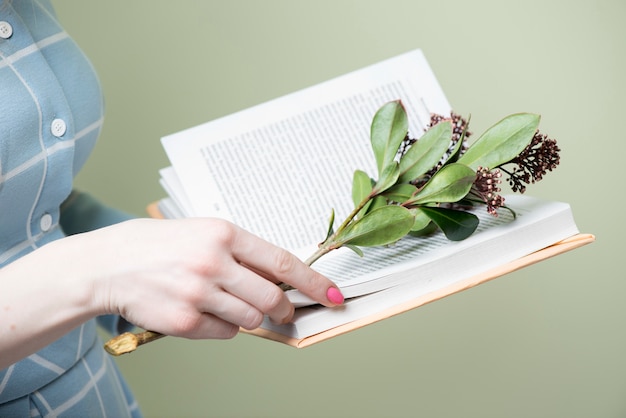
(224, 232)
(284, 262)
(213, 258)
(212, 264)
(272, 299)
(253, 319)
(187, 324)
(192, 293)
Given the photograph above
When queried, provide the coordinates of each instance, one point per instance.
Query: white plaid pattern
(50, 118)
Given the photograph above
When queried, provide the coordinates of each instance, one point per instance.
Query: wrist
(70, 278)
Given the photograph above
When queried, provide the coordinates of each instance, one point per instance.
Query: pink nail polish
(334, 295)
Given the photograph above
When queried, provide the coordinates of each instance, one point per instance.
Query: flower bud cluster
(486, 187)
(539, 157)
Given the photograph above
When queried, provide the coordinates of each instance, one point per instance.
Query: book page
(171, 184)
(497, 240)
(278, 169)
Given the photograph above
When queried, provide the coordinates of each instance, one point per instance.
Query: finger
(279, 265)
(201, 326)
(263, 295)
(234, 309)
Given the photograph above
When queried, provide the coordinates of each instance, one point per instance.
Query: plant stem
(352, 214)
(317, 255)
(329, 244)
(128, 342)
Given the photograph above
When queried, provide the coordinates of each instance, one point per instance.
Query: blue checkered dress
(50, 116)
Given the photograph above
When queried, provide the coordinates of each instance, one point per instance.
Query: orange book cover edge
(568, 244)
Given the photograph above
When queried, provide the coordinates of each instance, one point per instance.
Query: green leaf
(449, 184)
(458, 147)
(421, 219)
(427, 230)
(382, 226)
(377, 202)
(400, 192)
(388, 177)
(502, 142)
(456, 152)
(355, 249)
(456, 225)
(331, 223)
(361, 189)
(426, 152)
(389, 127)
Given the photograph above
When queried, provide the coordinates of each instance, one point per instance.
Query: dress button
(6, 30)
(45, 222)
(58, 127)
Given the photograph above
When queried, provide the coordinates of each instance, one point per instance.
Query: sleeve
(82, 213)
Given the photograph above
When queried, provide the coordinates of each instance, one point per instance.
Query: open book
(277, 170)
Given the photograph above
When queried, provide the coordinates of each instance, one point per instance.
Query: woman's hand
(194, 278)
(198, 278)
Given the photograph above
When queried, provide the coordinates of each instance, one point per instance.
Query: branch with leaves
(426, 184)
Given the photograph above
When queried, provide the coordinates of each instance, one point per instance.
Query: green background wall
(548, 341)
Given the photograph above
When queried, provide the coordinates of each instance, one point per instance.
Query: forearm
(43, 296)
(193, 278)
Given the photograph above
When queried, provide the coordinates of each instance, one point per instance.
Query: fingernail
(334, 295)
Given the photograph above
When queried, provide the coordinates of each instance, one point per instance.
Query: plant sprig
(427, 183)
